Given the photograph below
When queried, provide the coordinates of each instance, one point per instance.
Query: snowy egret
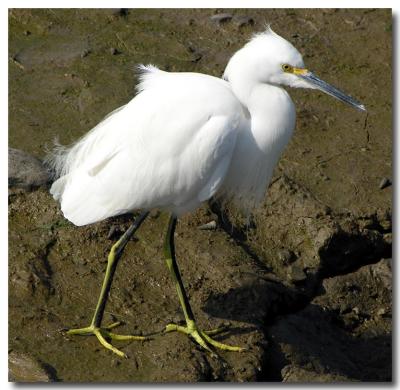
(184, 138)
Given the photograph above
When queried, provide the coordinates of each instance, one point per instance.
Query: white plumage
(186, 137)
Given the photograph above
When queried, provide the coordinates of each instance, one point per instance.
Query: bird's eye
(286, 68)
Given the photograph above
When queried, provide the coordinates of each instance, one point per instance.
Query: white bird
(183, 139)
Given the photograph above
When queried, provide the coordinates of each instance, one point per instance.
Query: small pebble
(381, 311)
(121, 12)
(385, 182)
(221, 18)
(212, 225)
(85, 53)
(356, 310)
(286, 256)
(197, 56)
(115, 362)
(325, 177)
(111, 232)
(114, 51)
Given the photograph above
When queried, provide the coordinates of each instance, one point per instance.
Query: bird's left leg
(103, 333)
(201, 337)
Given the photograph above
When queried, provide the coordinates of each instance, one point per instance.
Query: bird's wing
(169, 147)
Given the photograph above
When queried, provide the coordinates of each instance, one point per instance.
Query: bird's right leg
(104, 333)
(201, 337)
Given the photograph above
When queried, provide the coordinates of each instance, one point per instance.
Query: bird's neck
(270, 124)
(272, 114)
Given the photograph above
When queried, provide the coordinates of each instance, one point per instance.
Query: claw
(203, 337)
(104, 333)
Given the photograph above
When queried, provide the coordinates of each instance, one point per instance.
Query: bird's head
(270, 59)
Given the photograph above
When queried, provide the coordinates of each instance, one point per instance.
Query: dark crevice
(237, 235)
(345, 253)
(45, 255)
(42, 268)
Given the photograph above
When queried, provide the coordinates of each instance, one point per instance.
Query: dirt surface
(305, 283)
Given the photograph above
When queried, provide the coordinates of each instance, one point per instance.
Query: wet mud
(305, 284)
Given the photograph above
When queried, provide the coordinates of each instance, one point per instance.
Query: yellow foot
(202, 337)
(104, 333)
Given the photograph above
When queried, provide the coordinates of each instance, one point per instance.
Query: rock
(24, 368)
(221, 18)
(385, 182)
(381, 312)
(383, 271)
(26, 171)
(295, 374)
(362, 293)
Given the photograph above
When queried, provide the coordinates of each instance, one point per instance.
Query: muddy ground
(305, 284)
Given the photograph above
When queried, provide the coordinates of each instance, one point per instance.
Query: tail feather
(58, 187)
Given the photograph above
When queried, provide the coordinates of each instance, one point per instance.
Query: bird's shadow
(254, 302)
(305, 327)
(317, 336)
